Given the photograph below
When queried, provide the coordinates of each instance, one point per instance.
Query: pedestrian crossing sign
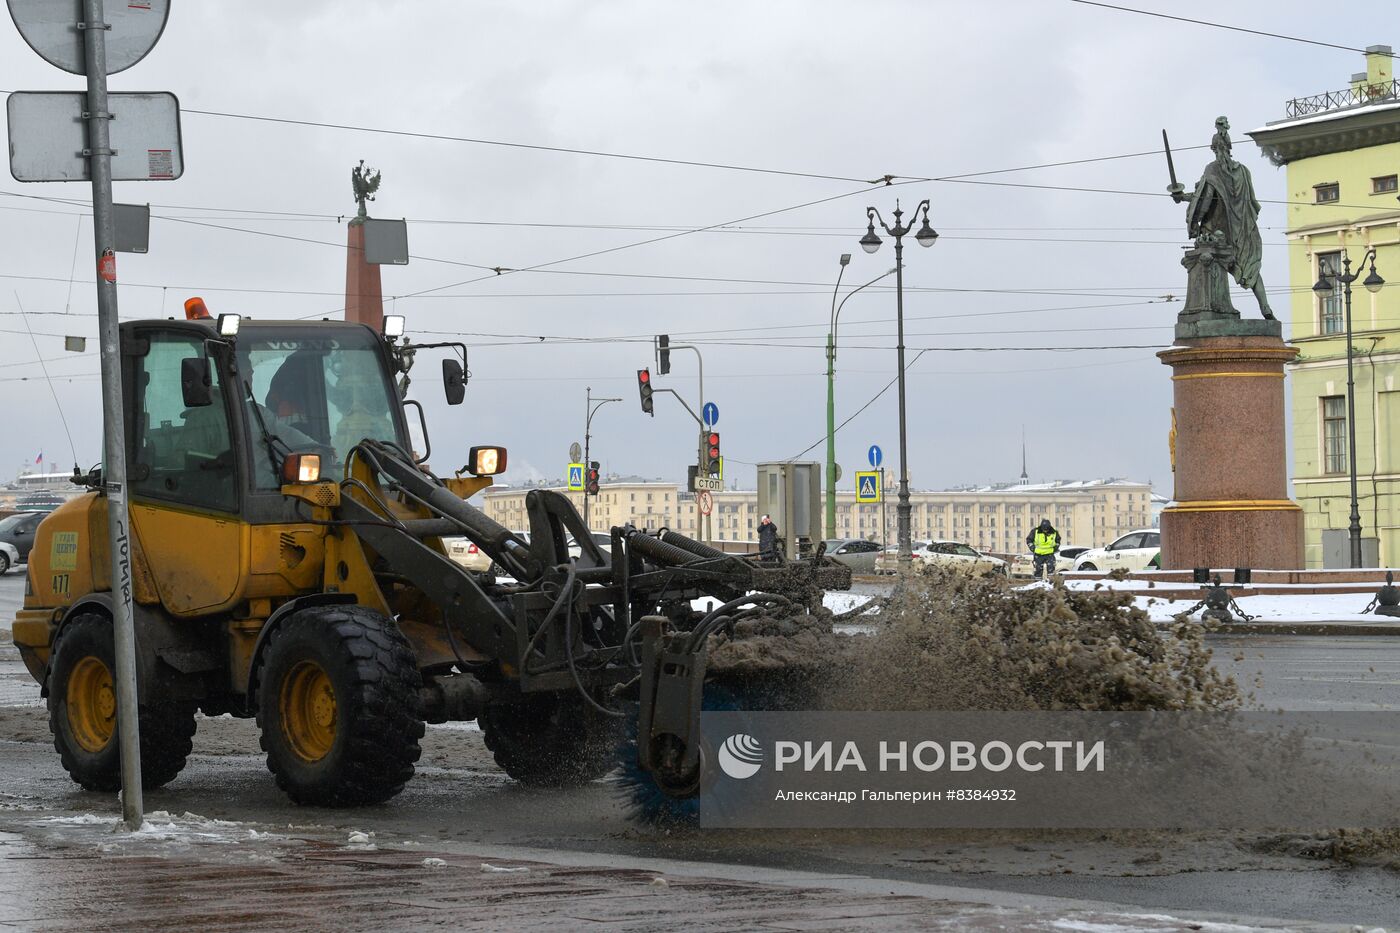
(868, 486)
(575, 477)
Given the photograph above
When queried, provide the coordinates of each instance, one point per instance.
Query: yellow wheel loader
(287, 564)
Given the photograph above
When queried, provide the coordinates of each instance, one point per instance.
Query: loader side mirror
(195, 384)
(454, 382)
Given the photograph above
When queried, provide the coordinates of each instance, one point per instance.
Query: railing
(1334, 100)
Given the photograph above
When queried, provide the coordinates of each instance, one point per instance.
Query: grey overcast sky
(852, 90)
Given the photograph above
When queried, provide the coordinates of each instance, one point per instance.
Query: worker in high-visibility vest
(1044, 542)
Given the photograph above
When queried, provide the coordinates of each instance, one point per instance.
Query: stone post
(364, 296)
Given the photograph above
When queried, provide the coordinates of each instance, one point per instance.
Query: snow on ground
(1301, 607)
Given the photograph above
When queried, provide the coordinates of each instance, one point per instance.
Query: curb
(1306, 628)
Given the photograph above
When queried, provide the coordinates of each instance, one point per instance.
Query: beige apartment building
(1090, 512)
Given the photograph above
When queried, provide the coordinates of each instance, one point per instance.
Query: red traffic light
(714, 439)
(643, 376)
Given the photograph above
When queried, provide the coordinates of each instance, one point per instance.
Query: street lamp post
(870, 243)
(591, 409)
(831, 393)
(1325, 286)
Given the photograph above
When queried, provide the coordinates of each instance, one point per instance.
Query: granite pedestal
(1230, 457)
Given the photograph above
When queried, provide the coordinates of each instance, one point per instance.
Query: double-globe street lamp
(870, 243)
(1326, 285)
(831, 392)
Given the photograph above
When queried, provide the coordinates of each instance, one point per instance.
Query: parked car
(9, 556)
(601, 538)
(1024, 564)
(18, 531)
(887, 561)
(463, 551)
(1136, 550)
(964, 558)
(856, 553)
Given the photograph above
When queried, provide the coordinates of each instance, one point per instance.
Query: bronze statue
(1224, 215)
(366, 183)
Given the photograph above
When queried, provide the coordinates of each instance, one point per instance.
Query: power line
(1202, 22)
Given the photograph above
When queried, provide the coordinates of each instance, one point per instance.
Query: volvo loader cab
(287, 563)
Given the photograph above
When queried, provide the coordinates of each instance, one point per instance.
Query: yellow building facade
(1341, 153)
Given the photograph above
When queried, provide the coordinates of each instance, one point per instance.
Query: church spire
(1025, 478)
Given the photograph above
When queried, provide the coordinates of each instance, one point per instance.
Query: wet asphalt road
(462, 799)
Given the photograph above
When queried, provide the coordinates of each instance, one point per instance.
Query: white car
(9, 556)
(467, 554)
(949, 555)
(1136, 550)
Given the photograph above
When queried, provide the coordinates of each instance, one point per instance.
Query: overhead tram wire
(1202, 22)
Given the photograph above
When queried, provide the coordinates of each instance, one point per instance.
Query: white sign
(709, 482)
(704, 502)
(51, 29)
(48, 136)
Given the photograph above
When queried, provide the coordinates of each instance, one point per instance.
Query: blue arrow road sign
(876, 455)
(710, 413)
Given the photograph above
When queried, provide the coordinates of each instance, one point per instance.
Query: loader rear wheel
(338, 707)
(551, 740)
(83, 713)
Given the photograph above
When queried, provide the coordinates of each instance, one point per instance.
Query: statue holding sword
(1223, 216)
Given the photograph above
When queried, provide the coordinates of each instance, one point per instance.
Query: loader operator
(1044, 541)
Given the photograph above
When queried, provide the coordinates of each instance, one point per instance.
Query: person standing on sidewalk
(1044, 541)
(767, 539)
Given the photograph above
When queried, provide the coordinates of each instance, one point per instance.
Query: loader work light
(486, 461)
(393, 326)
(228, 325)
(301, 468)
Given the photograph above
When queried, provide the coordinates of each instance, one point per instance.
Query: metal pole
(1354, 526)
(902, 510)
(831, 434)
(114, 434)
(587, 420)
(884, 522)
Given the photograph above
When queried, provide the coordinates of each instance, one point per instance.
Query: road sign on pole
(575, 453)
(49, 139)
(575, 477)
(713, 483)
(868, 487)
(54, 30)
(710, 414)
(84, 38)
(704, 502)
(876, 455)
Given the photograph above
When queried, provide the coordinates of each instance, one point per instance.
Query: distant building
(990, 518)
(1342, 153)
(41, 492)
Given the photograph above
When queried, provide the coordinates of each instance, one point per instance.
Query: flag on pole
(39, 459)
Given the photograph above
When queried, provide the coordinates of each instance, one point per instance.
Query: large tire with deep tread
(338, 706)
(82, 713)
(551, 739)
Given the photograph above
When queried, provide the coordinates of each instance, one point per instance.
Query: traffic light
(663, 354)
(591, 480)
(710, 453)
(644, 387)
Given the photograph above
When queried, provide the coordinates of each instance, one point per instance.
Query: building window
(1329, 306)
(1383, 185)
(1328, 193)
(1334, 434)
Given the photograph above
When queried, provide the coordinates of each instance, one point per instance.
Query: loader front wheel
(83, 713)
(551, 740)
(338, 707)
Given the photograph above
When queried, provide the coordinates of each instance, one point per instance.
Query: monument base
(1229, 448)
(1258, 534)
